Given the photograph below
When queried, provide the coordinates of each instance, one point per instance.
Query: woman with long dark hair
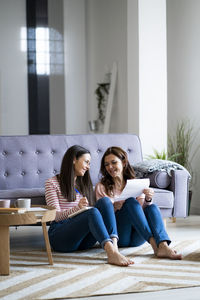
(71, 192)
(138, 219)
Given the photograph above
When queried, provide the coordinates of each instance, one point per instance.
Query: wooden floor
(31, 237)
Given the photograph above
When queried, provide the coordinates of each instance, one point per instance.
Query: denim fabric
(136, 226)
(85, 229)
(106, 209)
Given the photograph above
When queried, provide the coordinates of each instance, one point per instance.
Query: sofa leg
(173, 219)
(48, 247)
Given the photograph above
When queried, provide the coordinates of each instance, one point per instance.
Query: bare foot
(118, 259)
(116, 249)
(115, 244)
(153, 245)
(164, 251)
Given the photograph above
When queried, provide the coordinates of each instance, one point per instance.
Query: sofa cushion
(163, 198)
(37, 195)
(28, 161)
(22, 193)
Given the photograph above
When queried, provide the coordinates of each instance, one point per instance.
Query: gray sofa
(27, 161)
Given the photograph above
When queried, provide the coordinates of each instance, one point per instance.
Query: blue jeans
(85, 229)
(136, 226)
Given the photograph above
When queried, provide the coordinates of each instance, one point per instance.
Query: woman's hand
(118, 205)
(83, 202)
(148, 194)
(141, 199)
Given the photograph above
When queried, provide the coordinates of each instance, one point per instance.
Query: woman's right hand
(83, 202)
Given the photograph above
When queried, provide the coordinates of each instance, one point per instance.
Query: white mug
(5, 203)
(23, 203)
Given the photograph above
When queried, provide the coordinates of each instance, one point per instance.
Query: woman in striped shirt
(71, 191)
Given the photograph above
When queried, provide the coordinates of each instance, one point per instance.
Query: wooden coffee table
(7, 220)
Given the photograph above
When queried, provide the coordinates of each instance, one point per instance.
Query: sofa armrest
(180, 187)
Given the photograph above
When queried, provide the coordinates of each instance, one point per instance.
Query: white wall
(13, 68)
(133, 66)
(56, 76)
(75, 66)
(107, 42)
(152, 75)
(184, 73)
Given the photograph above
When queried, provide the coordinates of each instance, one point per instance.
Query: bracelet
(148, 200)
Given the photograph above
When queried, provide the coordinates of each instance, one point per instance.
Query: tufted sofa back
(27, 161)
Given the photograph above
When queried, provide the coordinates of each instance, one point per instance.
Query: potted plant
(102, 92)
(182, 143)
(182, 149)
(162, 155)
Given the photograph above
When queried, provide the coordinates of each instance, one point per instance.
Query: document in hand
(133, 188)
(79, 211)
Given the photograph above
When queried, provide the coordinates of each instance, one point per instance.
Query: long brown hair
(128, 172)
(66, 176)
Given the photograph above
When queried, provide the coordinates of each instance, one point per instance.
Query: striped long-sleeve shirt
(54, 198)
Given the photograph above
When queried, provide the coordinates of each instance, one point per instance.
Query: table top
(29, 217)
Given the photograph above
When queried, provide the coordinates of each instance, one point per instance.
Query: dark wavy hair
(128, 171)
(67, 174)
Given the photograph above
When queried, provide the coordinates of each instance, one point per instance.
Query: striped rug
(86, 273)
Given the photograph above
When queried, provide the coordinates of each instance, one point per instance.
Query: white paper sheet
(133, 188)
(79, 211)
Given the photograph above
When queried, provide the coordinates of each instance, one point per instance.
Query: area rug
(86, 273)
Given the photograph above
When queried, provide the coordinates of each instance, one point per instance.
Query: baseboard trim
(194, 210)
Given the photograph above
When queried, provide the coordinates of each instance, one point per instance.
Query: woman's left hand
(148, 194)
(141, 199)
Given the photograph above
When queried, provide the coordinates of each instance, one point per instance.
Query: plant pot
(189, 201)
